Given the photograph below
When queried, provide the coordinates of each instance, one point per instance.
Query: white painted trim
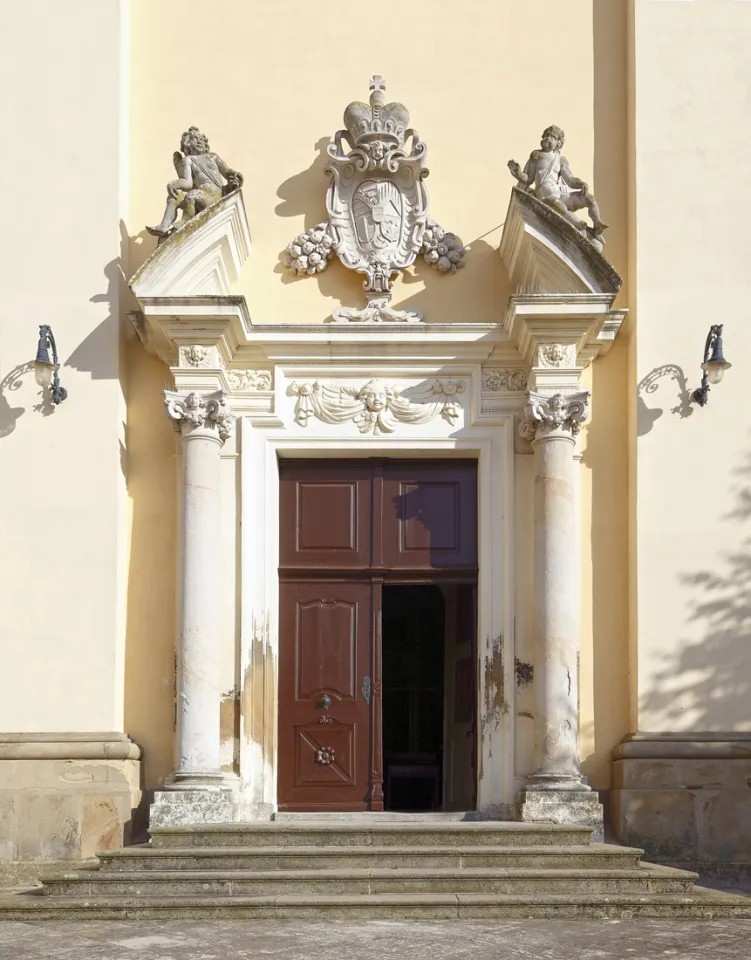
(491, 441)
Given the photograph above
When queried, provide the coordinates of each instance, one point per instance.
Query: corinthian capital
(556, 416)
(195, 412)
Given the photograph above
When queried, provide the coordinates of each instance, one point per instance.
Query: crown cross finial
(377, 83)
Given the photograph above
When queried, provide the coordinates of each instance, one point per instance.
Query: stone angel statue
(200, 175)
(548, 177)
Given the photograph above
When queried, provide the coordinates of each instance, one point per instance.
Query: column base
(187, 800)
(576, 807)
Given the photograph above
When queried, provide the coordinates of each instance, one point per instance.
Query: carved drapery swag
(376, 407)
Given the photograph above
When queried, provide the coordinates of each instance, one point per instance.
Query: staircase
(369, 869)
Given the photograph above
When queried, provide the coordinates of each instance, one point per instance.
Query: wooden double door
(348, 530)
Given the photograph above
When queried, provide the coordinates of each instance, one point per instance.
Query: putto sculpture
(200, 174)
(548, 177)
(378, 209)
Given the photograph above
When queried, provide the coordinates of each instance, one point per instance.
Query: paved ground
(477, 940)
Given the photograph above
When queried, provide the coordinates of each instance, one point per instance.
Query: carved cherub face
(194, 142)
(552, 139)
(375, 396)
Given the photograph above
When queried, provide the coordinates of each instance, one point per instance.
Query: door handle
(367, 688)
(324, 701)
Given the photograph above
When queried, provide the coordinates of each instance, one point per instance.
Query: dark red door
(324, 720)
(347, 528)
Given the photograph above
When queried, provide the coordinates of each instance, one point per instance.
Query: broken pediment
(202, 257)
(545, 254)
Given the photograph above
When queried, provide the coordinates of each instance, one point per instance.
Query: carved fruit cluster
(310, 252)
(442, 250)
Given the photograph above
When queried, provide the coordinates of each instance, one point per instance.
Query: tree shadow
(709, 679)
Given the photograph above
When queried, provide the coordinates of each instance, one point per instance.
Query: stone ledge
(68, 746)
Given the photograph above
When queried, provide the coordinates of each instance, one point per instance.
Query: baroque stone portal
(378, 209)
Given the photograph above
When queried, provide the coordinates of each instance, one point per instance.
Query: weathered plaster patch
(525, 673)
(495, 703)
(259, 691)
(229, 727)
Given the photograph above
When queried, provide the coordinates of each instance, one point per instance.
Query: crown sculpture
(378, 209)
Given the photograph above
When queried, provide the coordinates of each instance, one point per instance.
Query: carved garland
(504, 381)
(376, 407)
(244, 381)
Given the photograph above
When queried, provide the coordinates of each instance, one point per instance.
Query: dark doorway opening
(413, 632)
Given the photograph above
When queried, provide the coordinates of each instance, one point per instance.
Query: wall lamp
(714, 365)
(45, 370)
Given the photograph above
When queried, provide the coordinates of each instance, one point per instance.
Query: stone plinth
(179, 808)
(576, 807)
(685, 800)
(65, 797)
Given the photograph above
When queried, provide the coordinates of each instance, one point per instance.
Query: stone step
(377, 816)
(330, 882)
(375, 834)
(700, 905)
(148, 857)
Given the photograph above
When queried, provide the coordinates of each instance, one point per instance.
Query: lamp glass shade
(716, 370)
(43, 373)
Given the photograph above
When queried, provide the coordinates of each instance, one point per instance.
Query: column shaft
(198, 693)
(197, 792)
(556, 612)
(555, 790)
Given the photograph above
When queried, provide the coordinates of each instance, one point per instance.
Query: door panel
(429, 514)
(459, 780)
(326, 513)
(324, 720)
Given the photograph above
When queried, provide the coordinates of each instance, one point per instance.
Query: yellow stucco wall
(692, 656)
(270, 89)
(268, 84)
(63, 509)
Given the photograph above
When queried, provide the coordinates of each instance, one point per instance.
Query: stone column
(197, 791)
(555, 790)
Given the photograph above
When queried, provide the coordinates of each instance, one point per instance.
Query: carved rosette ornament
(376, 407)
(556, 416)
(378, 209)
(194, 412)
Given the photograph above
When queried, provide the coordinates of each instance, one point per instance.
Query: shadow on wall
(482, 282)
(645, 415)
(710, 678)
(606, 454)
(151, 589)
(13, 380)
